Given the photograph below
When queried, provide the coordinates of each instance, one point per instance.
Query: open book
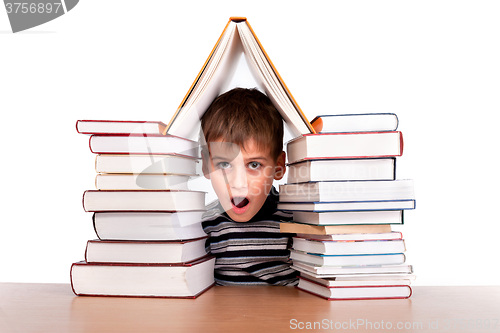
(237, 38)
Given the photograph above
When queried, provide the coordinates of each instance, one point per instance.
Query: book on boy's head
(165, 252)
(142, 200)
(331, 191)
(355, 292)
(145, 164)
(302, 228)
(342, 169)
(363, 122)
(349, 217)
(123, 127)
(187, 280)
(148, 226)
(237, 38)
(347, 206)
(345, 145)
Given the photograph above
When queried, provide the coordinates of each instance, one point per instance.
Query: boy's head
(244, 152)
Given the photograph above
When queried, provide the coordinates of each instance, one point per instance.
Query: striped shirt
(253, 252)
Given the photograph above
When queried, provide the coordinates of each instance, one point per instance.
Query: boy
(244, 136)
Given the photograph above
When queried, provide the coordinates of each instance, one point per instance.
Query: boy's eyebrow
(225, 157)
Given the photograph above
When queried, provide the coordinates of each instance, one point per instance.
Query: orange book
(236, 39)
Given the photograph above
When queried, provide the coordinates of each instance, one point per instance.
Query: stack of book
(344, 196)
(148, 223)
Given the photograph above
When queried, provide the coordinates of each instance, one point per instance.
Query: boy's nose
(238, 179)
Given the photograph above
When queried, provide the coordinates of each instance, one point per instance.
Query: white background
(434, 63)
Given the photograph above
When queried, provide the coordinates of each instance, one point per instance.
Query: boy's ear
(280, 169)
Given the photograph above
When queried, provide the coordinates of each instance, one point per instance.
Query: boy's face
(242, 178)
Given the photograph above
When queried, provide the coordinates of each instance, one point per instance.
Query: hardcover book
(148, 226)
(123, 127)
(142, 280)
(142, 200)
(164, 252)
(355, 292)
(345, 145)
(363, 122)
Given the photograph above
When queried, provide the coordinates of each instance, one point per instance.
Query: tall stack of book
(344, 196)
(148, 223)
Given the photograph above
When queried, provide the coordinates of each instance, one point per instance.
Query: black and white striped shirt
(253, 252)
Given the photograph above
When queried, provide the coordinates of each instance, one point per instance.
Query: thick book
(354, 217)
(383, 190)
(142, 200)
(345, 145)
(119, 127)
(367, 271)
(141, 182)
(347, 260)
(148, 226)
(145, 164)
(166, 252)
(302, 228)
(139, 280)
(362, 122)
(342, 169)
(347, 206)
(236, 39)
(143, 144)
(355, 292)
(349, 247)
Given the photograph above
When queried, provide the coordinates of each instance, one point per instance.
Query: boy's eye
(254, 165)
(223, 165)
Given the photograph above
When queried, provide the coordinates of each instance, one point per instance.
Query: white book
(99, 251)
(349, 247)
(362, 122)
(355, 292)
(350, 217)
(141, 182)
(148, 226)
(119, 127)
(363, 280)
(345, 145)
(165, 280)
(354, 237)
(342, 169)
(383, 190)
(347, 260)
(347, 206)
(367, 271)
(145, 164)
(143, 200)
(143, 144)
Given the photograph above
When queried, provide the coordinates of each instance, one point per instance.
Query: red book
(187, 280)
(345, 145)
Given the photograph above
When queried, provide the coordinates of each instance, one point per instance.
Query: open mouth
(239, 202)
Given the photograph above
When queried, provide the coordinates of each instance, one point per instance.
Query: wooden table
(52, 308)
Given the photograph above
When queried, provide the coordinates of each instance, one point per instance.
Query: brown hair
(243, 114)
